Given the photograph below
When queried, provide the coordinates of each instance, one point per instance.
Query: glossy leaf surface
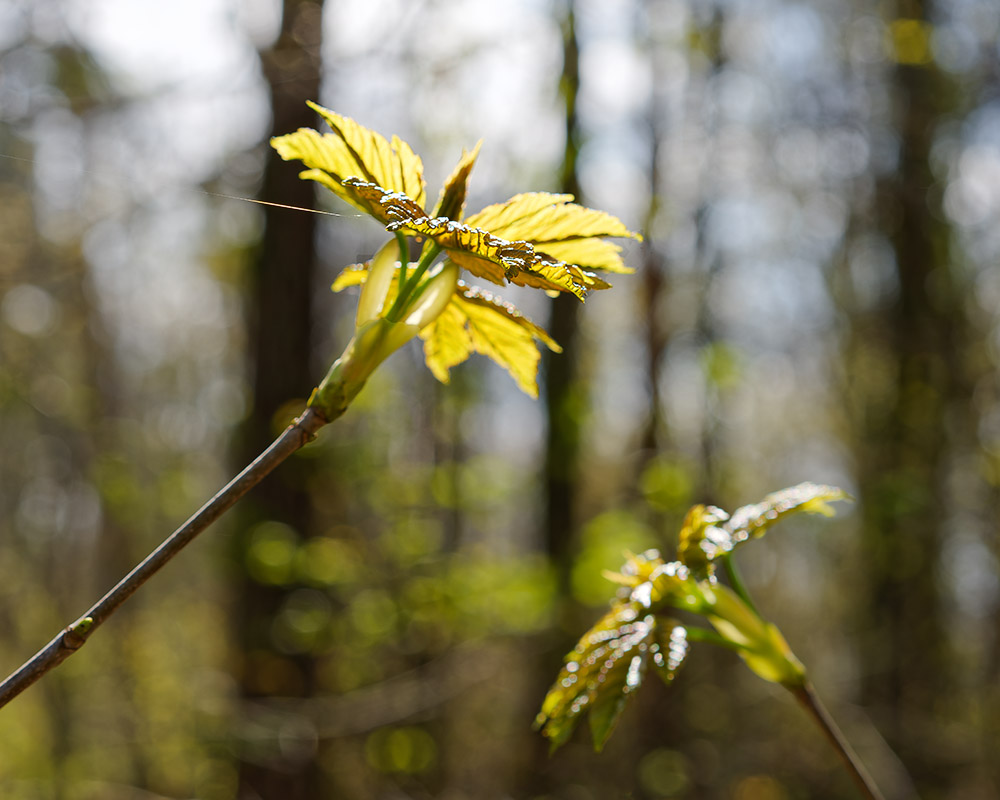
(701, 539)
(561, 229)
(607, 667)
(709, 533)
(476, 321)
(352, 150)
(809, 498)
(479, 251)
(610, 661)
(451, 201)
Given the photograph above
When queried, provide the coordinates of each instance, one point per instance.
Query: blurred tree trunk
(279, 294)
(710, 265)
(653, 273)
(905, 369)
(655, 287)
(563, 409)
(563, 393)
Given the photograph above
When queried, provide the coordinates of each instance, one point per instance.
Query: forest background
(816, 299)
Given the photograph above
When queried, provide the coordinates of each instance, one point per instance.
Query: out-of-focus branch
(810, 701)
(74, 636)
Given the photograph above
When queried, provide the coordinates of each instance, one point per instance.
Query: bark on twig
(74, 636)
(810, 701)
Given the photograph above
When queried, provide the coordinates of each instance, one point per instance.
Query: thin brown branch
(809, 700)
(74, 636)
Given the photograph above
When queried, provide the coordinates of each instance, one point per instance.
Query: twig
(74, 636)
(809, 700)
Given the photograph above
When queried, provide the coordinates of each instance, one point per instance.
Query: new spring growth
(540, 240)
(641, 630)
(392, 310)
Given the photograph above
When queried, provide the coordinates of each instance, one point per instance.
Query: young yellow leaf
(559, 228)
(451, 202)
(499, 260)
(476, 250)
(701, 539)
(390, 206)
(512, 214)
(547, 274)
(606, 668)
(589, 253)
(354, 151)
(354, 275)
(357, 275)
(810, 498)
(478, 322)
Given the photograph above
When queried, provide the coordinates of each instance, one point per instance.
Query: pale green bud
(380, 275)
(375, 337)
(761, 645)
(435, 297)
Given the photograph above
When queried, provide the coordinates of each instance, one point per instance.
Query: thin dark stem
(73, 637)
(809, 700)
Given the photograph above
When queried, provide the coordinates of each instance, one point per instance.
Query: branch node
(75, 635)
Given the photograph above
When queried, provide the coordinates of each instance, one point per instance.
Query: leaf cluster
(536, 239)
(610, 661)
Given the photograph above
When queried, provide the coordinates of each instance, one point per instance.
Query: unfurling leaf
(656, 584)
(606, 668)
(474, 321)
(561, 229)
(610, 661)
(477, 250)
(478, 322)
(352, 151)
(708, 532)
(543, 241)
(810, 498)
(702, 540)
(451, 201)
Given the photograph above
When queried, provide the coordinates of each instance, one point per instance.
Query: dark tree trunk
(280, 293)
(563, 401)
(913, 343)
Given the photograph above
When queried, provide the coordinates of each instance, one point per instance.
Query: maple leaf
(708, 532)
(478, 321)
(538, 240)
(609, 662)
(607, 667)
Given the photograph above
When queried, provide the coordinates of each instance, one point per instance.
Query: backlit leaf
(606, 668)
(669, 650)
(477, 250)
(354, 151)
(476, 321)
(810, 498)
(451, 202)
(357, 275)
(354, 275)
(499, 260)
(391, 205)
(657, 584)
(701, 539)
(708, 532)
(559, 228)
